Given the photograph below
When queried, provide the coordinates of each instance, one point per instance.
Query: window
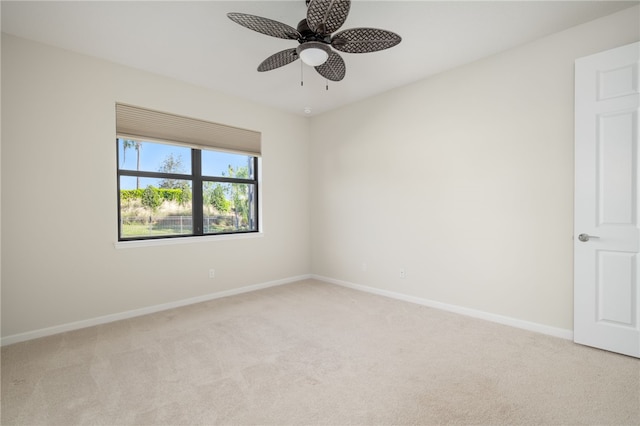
(171, 188)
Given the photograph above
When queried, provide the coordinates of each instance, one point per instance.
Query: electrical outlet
(403, 273)
(212, 273)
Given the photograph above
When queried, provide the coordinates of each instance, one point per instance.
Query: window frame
(197, 180)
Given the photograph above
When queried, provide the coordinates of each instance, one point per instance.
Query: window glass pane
(149, 210)
(153, 157)
(228, 207)
(223, 164)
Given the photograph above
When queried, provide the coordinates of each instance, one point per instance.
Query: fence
(177, 224)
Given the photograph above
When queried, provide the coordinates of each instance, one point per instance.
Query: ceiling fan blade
(326, 16)
(278, 60)
(334, 69)
(265, 26)
(364, 40)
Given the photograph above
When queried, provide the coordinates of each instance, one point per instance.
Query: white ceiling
(195, 42)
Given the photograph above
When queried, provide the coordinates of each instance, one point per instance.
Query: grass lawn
(141, 230)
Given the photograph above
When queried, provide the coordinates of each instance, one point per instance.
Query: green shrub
(179, 195)
(151, 198)
(130, 194)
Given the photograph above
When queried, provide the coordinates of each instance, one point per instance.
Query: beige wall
(465, 179)
(59, 211)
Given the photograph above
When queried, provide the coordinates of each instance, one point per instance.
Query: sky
(153, 154)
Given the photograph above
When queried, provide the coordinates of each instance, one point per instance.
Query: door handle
(586, 237)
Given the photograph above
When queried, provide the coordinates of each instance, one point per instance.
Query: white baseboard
(513, 322)
(21, 337)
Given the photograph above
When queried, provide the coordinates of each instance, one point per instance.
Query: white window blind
(139, 123)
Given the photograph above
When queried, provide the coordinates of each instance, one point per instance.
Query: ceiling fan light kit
(314, 34)
(313, 53)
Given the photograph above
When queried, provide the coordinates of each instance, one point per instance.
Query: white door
(607, 208)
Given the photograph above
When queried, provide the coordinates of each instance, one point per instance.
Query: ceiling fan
(314, 34)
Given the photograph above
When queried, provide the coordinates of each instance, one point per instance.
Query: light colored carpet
(313, 353)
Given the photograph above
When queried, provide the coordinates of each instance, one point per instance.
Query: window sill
(186, 240)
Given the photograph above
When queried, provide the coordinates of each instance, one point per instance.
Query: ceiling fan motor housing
(307, 34)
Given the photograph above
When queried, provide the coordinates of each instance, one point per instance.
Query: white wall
(465, 179)
(59, 211)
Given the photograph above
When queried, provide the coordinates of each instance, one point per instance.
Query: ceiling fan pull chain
(301, 74)
(327, 86)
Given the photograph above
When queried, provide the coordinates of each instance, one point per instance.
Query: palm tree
(126, 144)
